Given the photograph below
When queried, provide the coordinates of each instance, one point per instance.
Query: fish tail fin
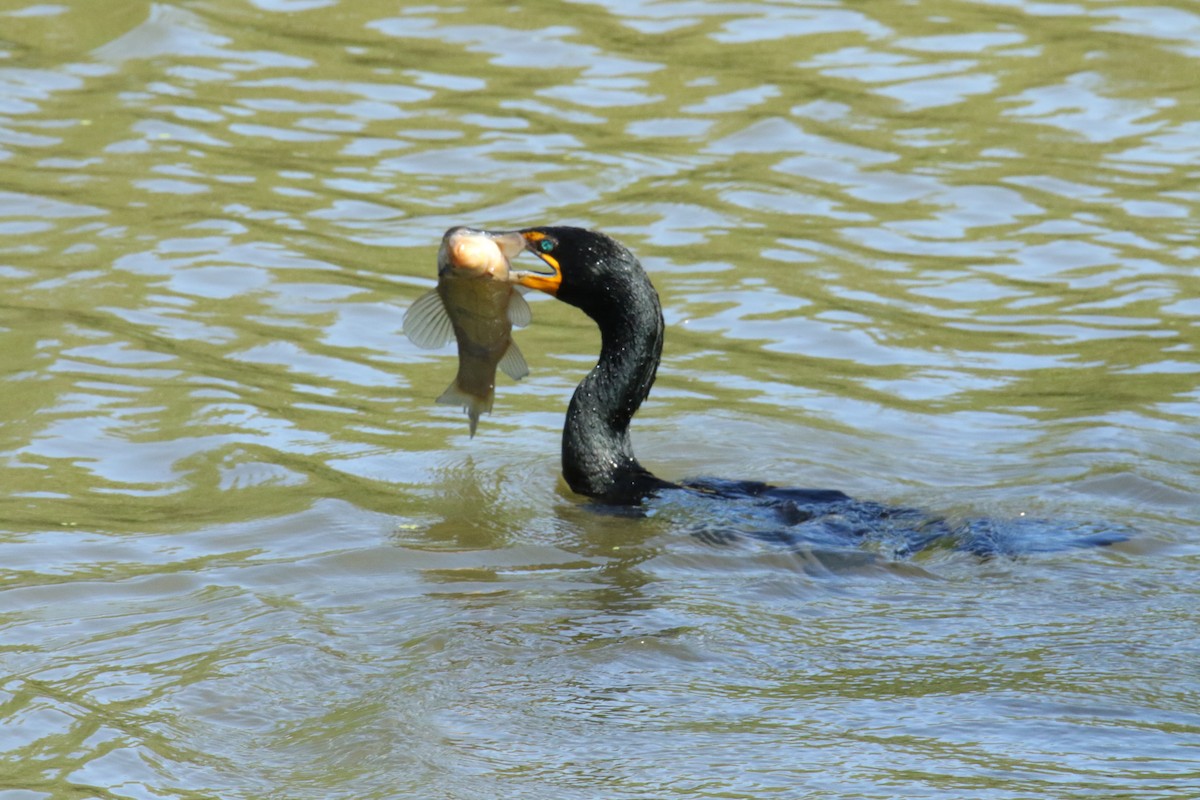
(473, 405)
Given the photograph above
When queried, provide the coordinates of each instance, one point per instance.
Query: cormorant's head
(582, 267)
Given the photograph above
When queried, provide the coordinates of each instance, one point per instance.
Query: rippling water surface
(942, 254)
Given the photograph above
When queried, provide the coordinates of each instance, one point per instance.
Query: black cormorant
(600, 276)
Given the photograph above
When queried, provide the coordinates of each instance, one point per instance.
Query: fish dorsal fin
(513, 364)
(426, 322)
(518, 311)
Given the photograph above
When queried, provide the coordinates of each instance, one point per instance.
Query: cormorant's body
(597, 274)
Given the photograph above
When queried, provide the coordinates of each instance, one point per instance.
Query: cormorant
(600, 276)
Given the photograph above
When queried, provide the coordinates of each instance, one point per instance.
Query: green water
(933, 253)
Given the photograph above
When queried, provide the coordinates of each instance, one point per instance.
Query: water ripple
(938, 254)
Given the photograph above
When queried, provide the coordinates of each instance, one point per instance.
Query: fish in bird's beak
(483, 254)
(476, 302)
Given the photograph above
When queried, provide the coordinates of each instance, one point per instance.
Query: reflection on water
(934, 254)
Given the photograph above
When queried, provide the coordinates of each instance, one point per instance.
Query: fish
(476, 301)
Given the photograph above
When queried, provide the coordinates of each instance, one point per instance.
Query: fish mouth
(473, 251)
(511, 243)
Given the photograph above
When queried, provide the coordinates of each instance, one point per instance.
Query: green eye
(546, 245)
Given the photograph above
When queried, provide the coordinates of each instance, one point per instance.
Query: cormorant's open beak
(512, 243)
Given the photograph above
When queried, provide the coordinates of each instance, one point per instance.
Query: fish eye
(545, 245)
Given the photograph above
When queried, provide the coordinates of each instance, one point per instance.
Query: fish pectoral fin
(518, 311)
(474, 406)
(513, 363)
(426, 322)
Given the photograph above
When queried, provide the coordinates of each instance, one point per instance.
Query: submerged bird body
(475, 302)
(601, 277)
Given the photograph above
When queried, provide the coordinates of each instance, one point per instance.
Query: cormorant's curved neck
(597, 456)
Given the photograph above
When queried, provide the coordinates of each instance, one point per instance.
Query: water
(935, 254)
